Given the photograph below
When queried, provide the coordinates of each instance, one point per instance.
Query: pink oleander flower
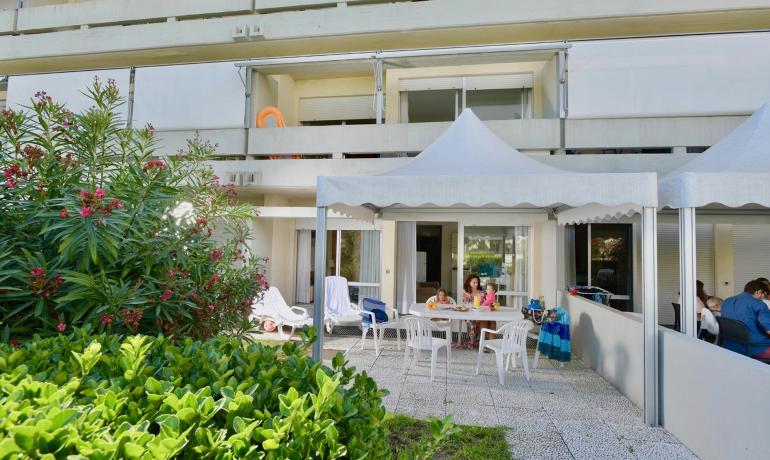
(61, 327)
(266, 260)
(106, 319)
(10, 183)
(85, 193)
(99, 193)
(63, 213)
(116, 204)
(15, 343)
(37, 271)
(166, 295)
(85, 212)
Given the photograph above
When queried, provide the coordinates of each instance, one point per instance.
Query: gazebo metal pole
(687, 275)
(320, 275)
(650, 315)
(378, 98)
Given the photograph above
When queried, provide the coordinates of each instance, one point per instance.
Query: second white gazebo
(733, 173)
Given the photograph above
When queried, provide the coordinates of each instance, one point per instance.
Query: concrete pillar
(650, 314)
(320, 278)
(687, 275)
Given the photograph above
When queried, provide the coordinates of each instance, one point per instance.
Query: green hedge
(100, 397)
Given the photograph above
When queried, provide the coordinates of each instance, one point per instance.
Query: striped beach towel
(554, 337)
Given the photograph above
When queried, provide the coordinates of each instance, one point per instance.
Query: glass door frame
(338, 259)
(589, 272)
(530, 262)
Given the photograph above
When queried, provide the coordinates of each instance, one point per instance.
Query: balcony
(199, 30)
(535, 135)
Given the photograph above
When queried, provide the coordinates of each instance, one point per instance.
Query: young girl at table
(442, 297)
(490, 297)
(486, 301)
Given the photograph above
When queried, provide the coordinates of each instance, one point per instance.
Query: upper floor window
(336, 110)
(492, 97)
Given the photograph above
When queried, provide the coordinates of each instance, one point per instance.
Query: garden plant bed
(469, 443)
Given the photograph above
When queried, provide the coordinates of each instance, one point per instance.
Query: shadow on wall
(616, 366)
(587, 335)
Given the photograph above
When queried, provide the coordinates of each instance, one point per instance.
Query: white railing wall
(713, 400)
(716, 402)
(610, 342)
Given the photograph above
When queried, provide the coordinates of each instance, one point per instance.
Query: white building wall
(668, 76)
(66, 87)
(190, 96)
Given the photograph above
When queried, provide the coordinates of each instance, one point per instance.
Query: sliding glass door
(354, 254)
(500, 255)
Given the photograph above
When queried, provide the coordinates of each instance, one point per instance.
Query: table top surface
(445, 312)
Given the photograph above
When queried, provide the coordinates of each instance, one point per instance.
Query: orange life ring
(267, 112)
(280, 122)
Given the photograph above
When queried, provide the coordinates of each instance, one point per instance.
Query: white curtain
(303, 266)
(369, 271)
(521, 266)
(406, 265)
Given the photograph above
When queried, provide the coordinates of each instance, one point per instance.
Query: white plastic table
(502, 314)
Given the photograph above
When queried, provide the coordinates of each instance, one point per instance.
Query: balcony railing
(539, 135)
(46, 16)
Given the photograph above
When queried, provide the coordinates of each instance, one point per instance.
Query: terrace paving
(560, 413)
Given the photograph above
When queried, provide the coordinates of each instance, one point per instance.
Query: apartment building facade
(364, 86)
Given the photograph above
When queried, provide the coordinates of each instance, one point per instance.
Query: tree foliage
(96, 229)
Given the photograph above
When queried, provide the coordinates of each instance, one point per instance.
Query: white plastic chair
(274, 308)
(338, 309)
(443, 322)
(708, 322)
(419, 336)
(393, 323)
(514, 342)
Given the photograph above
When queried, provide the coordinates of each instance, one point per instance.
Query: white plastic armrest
(371, 315)
(483, 330)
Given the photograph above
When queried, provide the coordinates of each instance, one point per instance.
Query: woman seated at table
(472, 289)
(700, 298)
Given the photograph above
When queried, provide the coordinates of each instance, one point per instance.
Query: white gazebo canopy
(469, 166)
(734, 172)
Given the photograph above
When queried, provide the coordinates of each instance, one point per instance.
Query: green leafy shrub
(96, 230)
(101, 397)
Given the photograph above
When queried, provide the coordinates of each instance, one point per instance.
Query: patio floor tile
(419, 408)
(527, 446)
(476, 395)
(560, 413)
(660, 451)
(471, 414)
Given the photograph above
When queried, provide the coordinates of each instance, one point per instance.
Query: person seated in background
(714, 304)
(766, 282)
(442, 297)
(700, 298)
(748, 308)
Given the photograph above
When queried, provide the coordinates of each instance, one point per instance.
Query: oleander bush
(99, 397)
(96, 229)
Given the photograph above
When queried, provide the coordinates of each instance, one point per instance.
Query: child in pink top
(490, 297)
